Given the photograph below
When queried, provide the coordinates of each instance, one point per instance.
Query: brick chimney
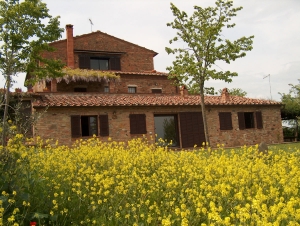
(183, 91)
(70, 46)
(224, 95)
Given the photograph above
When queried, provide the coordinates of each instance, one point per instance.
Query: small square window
(106, 89)
(131, 89)
(156, 90)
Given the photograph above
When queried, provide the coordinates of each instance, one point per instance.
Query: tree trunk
(204, 116)
(6, 105)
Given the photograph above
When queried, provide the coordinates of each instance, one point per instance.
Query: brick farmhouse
(139, 101)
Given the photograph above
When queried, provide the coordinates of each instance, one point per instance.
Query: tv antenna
(91, 22)
(269, 83)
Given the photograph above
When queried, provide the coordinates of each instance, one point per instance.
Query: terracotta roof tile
(93, 99)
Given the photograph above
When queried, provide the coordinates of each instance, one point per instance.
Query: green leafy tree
(26, 28)
(202, 33)
(291, 107)
(235, 92)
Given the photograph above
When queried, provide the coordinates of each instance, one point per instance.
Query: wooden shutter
(225, 120)
(259, 122)
(104, 129)
(137, 123)
(241, 119)
(191, 129)
(75, 126)
(115, 63)
(84, 62)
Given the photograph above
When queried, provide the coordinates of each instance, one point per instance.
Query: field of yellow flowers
(96, 183)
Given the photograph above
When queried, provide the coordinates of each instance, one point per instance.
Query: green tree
(202, 33)
(291, 107)
(26, 28)
(235, 92)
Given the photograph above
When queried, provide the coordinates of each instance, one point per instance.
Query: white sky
(274, 23)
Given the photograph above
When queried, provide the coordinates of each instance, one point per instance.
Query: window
(166, 128)
(99, 62)
(79, 89)
(137, 123)
(156, 90)
(225, 120)
(85, 126)
(131, 89)
(106, 89)
(247, 120)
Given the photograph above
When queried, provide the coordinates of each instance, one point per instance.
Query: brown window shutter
(225, 120)
(259, 122)
(84, 62)
(75, 126)
(241, 119)
(137, 123)
(104, 128)
(115, 63)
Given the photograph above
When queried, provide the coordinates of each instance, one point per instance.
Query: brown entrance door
(191, 129)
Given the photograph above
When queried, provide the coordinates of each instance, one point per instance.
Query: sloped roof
(102, 33)
(97, 100)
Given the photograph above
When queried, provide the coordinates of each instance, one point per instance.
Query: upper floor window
(99, 62)
(79, 89)
(131, 89)
(156, 90)
(106, 89)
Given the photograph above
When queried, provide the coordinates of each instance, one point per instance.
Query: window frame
(131, 88)
(106, 89)
(156, 90)
(255, 116)
(114, 62)
(102, 125)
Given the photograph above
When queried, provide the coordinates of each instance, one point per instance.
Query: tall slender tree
(26, 28)
(202, 33)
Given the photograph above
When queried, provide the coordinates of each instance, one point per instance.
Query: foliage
(202, 33)
(235, 92)
(97, 183)
(24, 37)
(75, 74)
(291, 101)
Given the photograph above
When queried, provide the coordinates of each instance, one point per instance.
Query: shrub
(138, 183)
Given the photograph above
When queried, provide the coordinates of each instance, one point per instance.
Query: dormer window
(99, 62)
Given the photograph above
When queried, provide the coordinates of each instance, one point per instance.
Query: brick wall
(56, 123)
(270, 133)
(133, 57)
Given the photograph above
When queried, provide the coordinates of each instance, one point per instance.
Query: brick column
(70, 46)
